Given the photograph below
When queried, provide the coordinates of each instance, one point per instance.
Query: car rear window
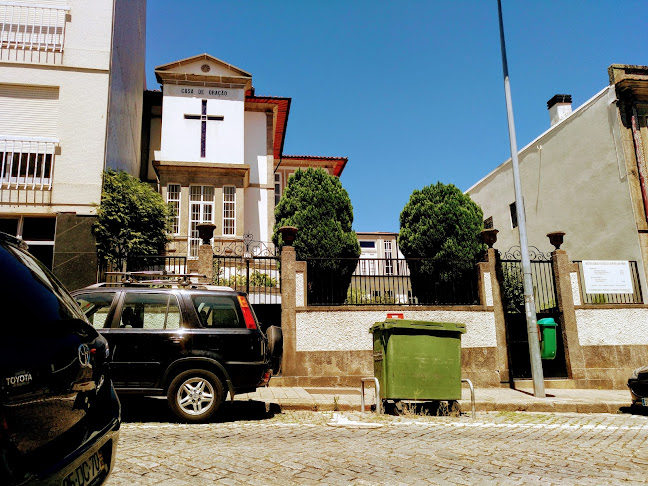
(217, 311)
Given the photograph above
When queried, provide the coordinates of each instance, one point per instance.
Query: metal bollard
(362, 397)
(472, 395)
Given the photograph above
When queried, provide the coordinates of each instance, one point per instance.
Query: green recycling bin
(418, 360)
(547, 338)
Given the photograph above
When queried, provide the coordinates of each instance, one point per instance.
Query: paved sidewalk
(486, 399)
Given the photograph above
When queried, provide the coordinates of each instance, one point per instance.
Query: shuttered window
(28, 111)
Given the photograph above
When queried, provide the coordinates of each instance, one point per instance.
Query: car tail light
(250, 323)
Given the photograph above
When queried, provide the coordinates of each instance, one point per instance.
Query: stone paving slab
(486, 399)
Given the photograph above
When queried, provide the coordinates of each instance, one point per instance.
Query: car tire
(195, 395)
(275, 347)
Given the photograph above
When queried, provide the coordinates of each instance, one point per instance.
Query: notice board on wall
(607, 277)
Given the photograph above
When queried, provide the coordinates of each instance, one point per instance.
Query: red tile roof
(340, 162)
(283, 109)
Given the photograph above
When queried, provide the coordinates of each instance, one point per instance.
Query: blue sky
(411, 92)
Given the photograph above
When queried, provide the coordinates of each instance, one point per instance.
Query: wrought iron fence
(259, 277)
(544, 287)
(390, 281)
(170, 264)
(635, 297)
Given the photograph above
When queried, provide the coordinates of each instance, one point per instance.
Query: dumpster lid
(420, 325)
(547, 322)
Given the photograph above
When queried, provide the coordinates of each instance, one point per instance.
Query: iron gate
(511, 280)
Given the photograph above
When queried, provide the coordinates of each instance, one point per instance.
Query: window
(150, 311)
(277, 187)
(216, 311)
(26, 164)
(389, 264)
(33, 27)
(488, 223)
(173, 200)
(95, 307)
(367, 244)
(38, 232)
(201, 201)
(513, 209)
(229, 210)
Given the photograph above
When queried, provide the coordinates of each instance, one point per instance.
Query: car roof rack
(143, 278)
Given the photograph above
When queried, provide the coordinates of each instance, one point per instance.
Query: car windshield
(29, 292)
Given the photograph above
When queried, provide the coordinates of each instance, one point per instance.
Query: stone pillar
(563, 268)
(490, 276)
(206, 263)
(288, 313)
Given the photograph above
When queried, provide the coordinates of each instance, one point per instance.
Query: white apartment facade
(71, 84)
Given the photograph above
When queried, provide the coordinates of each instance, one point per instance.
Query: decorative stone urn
(489, 236)
(288, 234)
(556, 238)
(205, 232)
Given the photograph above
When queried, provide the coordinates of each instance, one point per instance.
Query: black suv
(59, 414)
(192, 344)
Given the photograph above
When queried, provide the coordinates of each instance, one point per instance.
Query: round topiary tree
(132, 219)
(440, 225)
(317, 204)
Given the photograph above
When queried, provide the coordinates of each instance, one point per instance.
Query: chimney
(559, 108)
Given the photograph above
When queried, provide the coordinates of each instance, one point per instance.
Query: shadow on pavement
(156, 409)
(635, 410)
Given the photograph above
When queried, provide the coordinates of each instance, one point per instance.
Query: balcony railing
(27, 163)
(32, 27)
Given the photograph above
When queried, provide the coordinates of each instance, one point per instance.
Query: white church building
(216, 151)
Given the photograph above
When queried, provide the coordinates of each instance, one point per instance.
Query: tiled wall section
(611, 366)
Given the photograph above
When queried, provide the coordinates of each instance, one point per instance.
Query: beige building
(216, 150)
(586, 175)
(71, 83)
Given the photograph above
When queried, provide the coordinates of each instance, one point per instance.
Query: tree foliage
(442, 225)
(317, 204)
(132, 219)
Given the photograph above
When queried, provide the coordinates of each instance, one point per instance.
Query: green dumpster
(547, 338)
(418, 360)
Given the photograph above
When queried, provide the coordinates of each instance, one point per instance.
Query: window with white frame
(229, 210)
(201, 202)
(26, 163)
(33, 27)
(173, 200)
(277, 187)
(389, 264)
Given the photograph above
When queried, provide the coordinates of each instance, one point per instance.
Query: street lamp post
(529, 302)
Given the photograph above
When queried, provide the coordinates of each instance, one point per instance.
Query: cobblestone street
(250, 446)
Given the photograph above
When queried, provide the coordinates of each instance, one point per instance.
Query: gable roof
(189, 71)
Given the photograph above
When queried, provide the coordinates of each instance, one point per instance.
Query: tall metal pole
(529, 303)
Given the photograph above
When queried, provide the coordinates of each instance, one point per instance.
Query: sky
(412, 92)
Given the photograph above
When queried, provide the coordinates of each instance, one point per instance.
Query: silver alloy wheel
(195, 396)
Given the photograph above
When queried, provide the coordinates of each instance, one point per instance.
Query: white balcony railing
(27, 163)
(32, 27)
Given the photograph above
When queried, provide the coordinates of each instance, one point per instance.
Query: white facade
(71, 83)
(208, 130)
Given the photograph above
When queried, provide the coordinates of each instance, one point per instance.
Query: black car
(192, 345)
(638, 384)
(59, 414)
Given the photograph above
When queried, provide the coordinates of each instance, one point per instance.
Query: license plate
(86, 472)
(644, 402)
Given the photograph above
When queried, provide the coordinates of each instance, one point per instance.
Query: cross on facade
(203, 117)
